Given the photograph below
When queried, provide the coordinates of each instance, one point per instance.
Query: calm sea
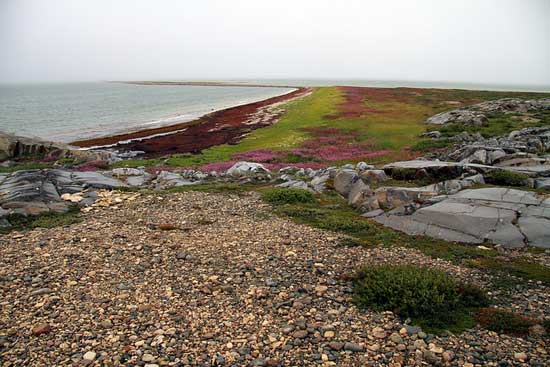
(67, 112)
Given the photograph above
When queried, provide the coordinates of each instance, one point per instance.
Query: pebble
(353, 347)
(89, 356)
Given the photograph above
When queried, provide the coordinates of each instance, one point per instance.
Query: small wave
(171, 119)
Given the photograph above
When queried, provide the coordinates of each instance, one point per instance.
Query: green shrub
(428, 296)
(504, 322)
(506, 178)
(281, 196)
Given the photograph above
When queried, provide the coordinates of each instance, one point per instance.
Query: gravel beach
(197, 279)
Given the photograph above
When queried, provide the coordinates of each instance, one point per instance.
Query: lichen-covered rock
(240, 169)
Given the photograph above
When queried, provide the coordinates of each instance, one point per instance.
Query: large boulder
(344, 181)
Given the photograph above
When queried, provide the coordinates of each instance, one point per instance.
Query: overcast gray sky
(478, 41)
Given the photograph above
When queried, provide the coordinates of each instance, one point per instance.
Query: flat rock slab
(33, 192)
(512, 218)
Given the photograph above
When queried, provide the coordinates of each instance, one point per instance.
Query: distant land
(207, 84)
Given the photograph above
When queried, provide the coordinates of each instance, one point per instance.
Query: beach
(226, 126)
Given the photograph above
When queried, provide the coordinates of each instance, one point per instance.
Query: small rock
(378, 332)
(520, 356)
(373, 347)
(329, 334)
(448, 356)
(300, 334)
(147, 357)
(89, 356)
(41, 329)
(353, 347)
(336, 345)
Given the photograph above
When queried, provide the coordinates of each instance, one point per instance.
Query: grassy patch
(49, 220)
(26, 166)
(431, 144)
(518, 267)
(216, 187)
(429, 296)
(287, 196)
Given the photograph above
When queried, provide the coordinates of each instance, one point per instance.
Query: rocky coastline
(259, 289)
(227, 126)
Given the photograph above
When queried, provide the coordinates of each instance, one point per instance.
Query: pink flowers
(258, 155)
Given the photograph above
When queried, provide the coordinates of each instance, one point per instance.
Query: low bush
(281, 196)
(504, 322)
(428, 296)
(506, 178)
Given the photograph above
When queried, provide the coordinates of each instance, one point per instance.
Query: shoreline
(225, 126)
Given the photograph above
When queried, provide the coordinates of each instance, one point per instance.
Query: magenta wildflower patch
(258, 155)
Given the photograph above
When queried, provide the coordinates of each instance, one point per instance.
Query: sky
(504, 42)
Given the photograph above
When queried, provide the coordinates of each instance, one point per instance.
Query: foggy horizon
(488, 42)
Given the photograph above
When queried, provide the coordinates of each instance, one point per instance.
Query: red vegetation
(226, 126)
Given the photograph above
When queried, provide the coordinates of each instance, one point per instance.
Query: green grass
(49, 220)
(431, 144)
(25, 166)
(432, 298)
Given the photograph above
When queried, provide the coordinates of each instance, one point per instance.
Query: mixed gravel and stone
(198, 279)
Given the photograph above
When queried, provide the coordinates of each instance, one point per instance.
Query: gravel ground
(233, 285)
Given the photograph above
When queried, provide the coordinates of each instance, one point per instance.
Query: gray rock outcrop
(512, 218)
(12, 146)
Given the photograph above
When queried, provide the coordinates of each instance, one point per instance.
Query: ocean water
(72, 111)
